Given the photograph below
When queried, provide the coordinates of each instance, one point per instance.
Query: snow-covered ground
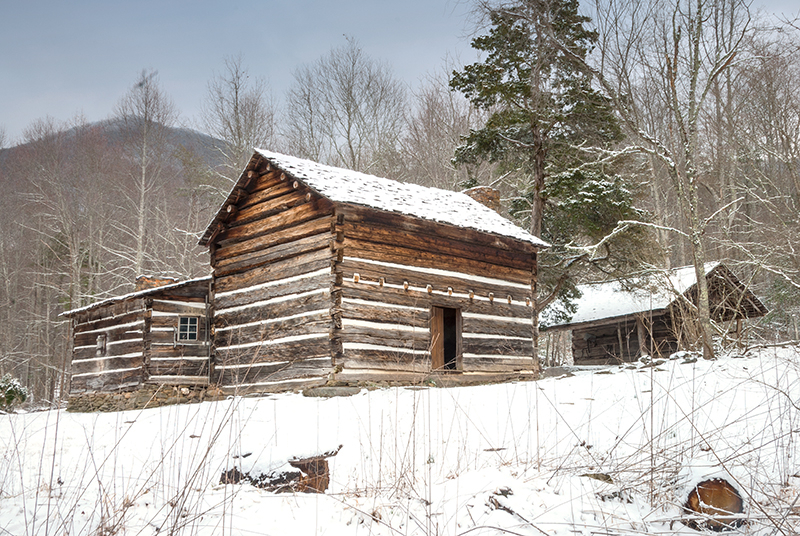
(494, 459)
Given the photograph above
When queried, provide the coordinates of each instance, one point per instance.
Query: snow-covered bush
(11, 392)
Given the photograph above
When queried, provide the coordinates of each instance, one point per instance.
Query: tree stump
(714, 504)
(312, 476)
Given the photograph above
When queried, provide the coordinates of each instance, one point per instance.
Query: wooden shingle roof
(345, 186)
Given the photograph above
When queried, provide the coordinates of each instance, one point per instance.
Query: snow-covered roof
(133, 295)
(346, 186)
(654, 293)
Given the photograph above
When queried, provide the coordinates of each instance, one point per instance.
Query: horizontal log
(108, 321)
(498, 346)
(166, 333)
(264, 178)
(309, 262)
(371, 359)
(107, 382)
(190, 293)
(313, 209)
(113, 310)
(420, 298)
(413, 225)
(106, 364)
(170, 322)
(288, 328)
(411, 340)
(295, 232)
(424, 259)
(177, 309)
(127, 347)
(275, 373)
(266, 353)
(179, 368)
(497, 327)
(455, 248)
(380, 375)
(268, 207)
(482, 364)
(390, 314)
(122, 333)
(275, 189)
(272, 254)
(162, 337)
(277, 309)
(294, 384)
(177, 380)
(420, 277)
(276, 289)
(168, 350)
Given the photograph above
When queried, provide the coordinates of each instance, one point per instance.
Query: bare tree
(673, 52)
(56, 227)
(346, 109)
(761, 126)
(239, 111)
(440, 119)
(145, 113)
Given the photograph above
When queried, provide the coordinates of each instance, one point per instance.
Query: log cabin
(617, 322)
(323, 275)
(156, 335)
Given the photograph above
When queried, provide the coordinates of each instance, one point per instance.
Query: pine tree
(544, 114)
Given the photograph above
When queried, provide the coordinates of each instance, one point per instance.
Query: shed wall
(170, 361)
(619, 340)
(120, 365)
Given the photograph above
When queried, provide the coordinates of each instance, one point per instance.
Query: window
(445, 338)
(187, 328)
(101, 345)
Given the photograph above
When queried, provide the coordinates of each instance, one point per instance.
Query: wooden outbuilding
(324, 274)
(156, 335)
(616, 322)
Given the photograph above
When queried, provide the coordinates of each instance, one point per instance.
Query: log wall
(168, 360)
(272, 289)
(618, 341)
(140, 342)
(120, 366)
(391, 270)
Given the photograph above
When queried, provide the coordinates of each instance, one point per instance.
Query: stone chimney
(146, 282)
(486, 196)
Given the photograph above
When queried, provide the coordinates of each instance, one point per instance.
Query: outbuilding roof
(136, 294)
(352, 187)
(655, 292)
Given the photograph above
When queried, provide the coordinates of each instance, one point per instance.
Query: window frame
(186, 321)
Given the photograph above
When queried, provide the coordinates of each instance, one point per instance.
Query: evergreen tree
(544, 114)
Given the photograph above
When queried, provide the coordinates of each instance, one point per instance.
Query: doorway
(446, 338)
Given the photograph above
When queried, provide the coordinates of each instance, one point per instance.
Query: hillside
(87, 209)
(602, 451)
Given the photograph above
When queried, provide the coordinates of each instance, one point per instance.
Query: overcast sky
(61, 58)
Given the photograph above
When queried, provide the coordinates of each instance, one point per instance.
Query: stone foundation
(147, 396)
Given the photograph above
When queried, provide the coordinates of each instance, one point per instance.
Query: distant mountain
(202, 145)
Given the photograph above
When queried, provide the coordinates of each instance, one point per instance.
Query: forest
(633, 137)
